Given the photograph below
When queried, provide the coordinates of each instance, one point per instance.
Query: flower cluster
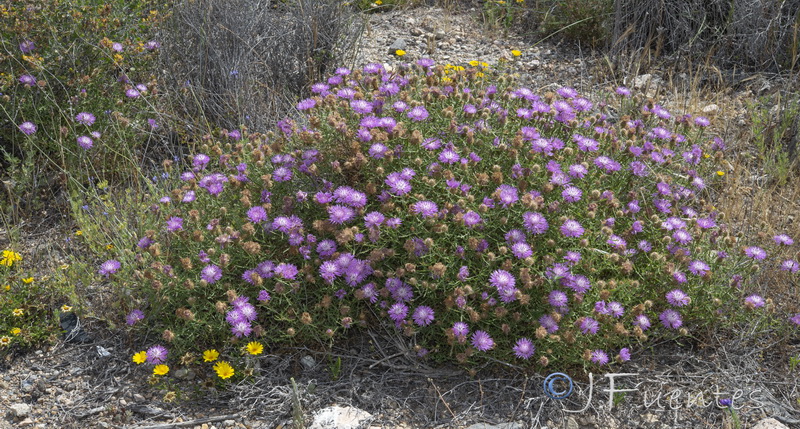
(478, 219)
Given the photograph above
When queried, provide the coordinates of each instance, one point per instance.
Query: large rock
(337, 417)
(770, 423)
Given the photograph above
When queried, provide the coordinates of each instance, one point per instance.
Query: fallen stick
(189, 423)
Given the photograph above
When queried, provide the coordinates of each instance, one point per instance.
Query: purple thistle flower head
(257, 214)
(85, 142)
(109, 267)
(482, 341)
(398, 311)
(588, 325)
(521, 250)
(524, 348)
(642, 321)
(211, 273)
(599, 357)
(567, 92)
(242, 329)
(85, 118)
(783, 239)
(795, 319)
(534, 222)
(27, 79)
(426, 208)
(418, 114)
(514, 236)
(132, 93)
(549, 323)
(502, 279)
(174, 224)
(423, 315)
(460, 329)
(754, 301)
(263, 296)
(27, 128)
(27, 46)
(571, 228)
(625, 354)
(755, 252)
(557, 299)
(472, 218)
(790, 265)
(134, 317)
(623, 91)
(156, 355)
(339, 214)
(671, 319)
(678, 298)
(463, 273)
(306, 104)
(286, 271)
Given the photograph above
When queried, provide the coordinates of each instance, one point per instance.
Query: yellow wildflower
(474, 63)
(78, 233)
(7, 287)
(66, 308)
(16, 331)
(9, 257)
(378, 2)
(516, 53)
(18, 312)
(224, 370)
(160, 370)
(399, 52)
(64, 266)
(210, 355)
(255, 348)
(27, 280)
(4, 340)
(720, 173)
(140, 358)
(109, 246)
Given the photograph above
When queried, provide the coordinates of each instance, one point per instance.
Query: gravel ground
(93, 384)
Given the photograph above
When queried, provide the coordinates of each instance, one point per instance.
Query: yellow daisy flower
(18, 312)
(255, 348)
(160, 370)
(516, 53)
(16, 331)
(720, 173)
(474, 63)
(4, 340)
(9, 257)
(210, 355)
(65, 308)
(399, 52)
(223, 369)
(79, 233)
(140, 358)
(28, 280)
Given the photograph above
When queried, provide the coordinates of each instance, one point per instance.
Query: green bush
(480, 220)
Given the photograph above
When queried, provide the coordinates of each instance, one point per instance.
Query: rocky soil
(374, 383)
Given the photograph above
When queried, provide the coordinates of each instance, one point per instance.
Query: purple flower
(795, 319)
(134, 316)
(378, 150)
(671, 319)
(263, 296)
(623, 91)
(211, 273)
(524, 348)
(514, 236)
(571, 194)
(156, 355)
(241, 329)
(725, 402)
(27, 46)
(587, 325)
(502, 279)
(257, 214)
(418, 114)
(460, 329)
(754, 301)
(534, 222)
(567, 92)
(326, 248)
(482, 341)
(27, 128)
(521, 250)
(548, 323)
(571, 228)
(599, 357)
(472, 218)
(373, 219)
(174, 224)
(132, 93)
(642, 321)
(507, 195)
(426, 208)
(398, 311)
(109, 267)
(85, 142)
(678, 298)
(286, 271)
(755, 252)
(699, 268)
(783, 239)
(27, 79)
(625, 354)
(340, 214)
(423, 315)
(557, 299)
(306, 104)
(790, 265)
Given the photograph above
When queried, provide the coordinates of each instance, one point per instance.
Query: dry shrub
(757, 34)
(234, 62)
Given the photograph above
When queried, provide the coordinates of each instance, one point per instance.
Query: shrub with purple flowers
(534, 228)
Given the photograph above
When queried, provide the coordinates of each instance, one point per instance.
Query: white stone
(20, 410)
(337, 417)
(711, 108)
(770, 423)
